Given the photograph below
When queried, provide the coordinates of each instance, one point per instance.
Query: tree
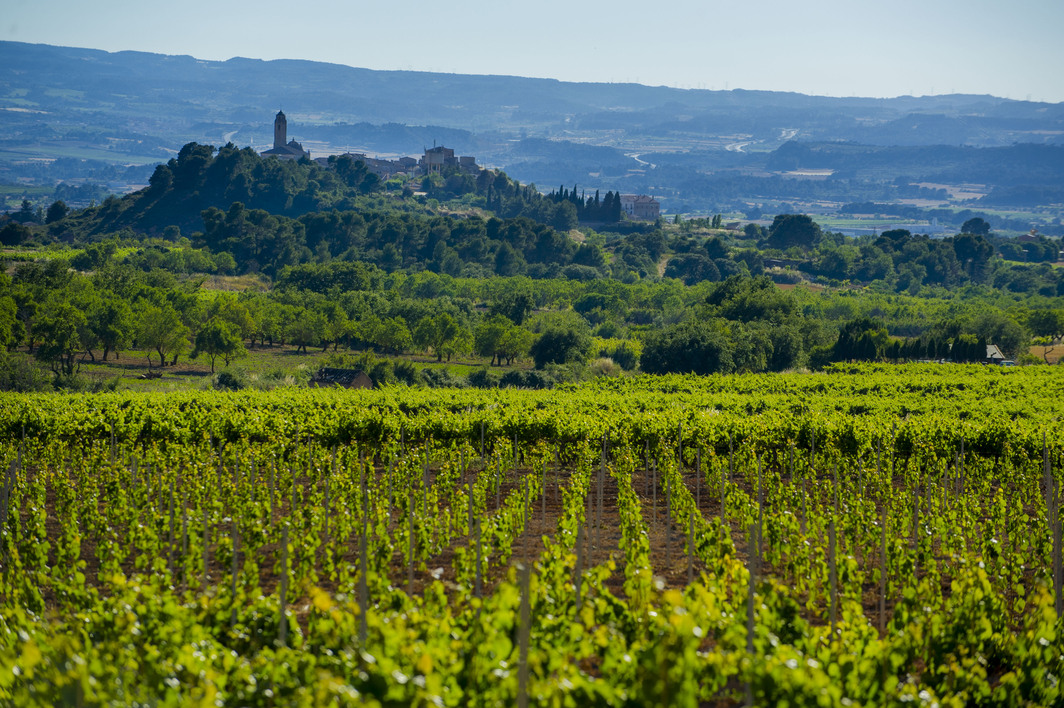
(440, 332)
(995, 327)
(516, 304)
(219, 338)
(973, 252)
(789, 230)
(561, 344)
(236, 313)
(60, 339)
(56, 212)
(10, 327)
(306, 329)
(692, 268)
(26, 213)
(393, 335)
(975, 226)
(751, 348)
(514, 344)
(748, 299)
(1046, 323)
(161, 329)
(500, 339)
(14, 234)
(862, 339)
(1048, 327)
(697, 347)
(111, 323)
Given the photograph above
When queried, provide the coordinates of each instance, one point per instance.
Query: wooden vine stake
(916, 514)
(812, 451)
(470, 525)
(833, 577)
(601, 482)
(234, 572)
(751, 586)
(646, 468)
(477, 590)
(960, 470)
(282, 628)
(524, 637)
(273, 487)
(363, 587)
(654, 489)
(410, 534)
(723, 490)
(173, 540)
(206, 546)
(254, 478)
(184, 537)
(390, 496)
(691, 550)
(325, 529)
(698, 478)
(893, 449)
(588, 529)
(543, 492)
(731, 458)
(425, 486)
(577, 574)
(883, 571)
(557, 474)
(9, 483)
(1053, 514)
(679, 445)
(596, 530)
(668, 521)
(760, 511)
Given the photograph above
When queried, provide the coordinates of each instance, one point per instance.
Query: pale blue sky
(824, 47)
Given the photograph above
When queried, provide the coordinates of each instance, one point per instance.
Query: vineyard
(870, 536)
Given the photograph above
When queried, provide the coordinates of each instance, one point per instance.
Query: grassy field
(262, 367)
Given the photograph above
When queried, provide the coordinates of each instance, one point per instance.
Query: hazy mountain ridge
(137, 107)
(243, 90)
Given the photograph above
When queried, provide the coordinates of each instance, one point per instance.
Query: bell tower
(280, 130)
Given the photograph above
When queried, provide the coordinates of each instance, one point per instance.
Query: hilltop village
(437, 159)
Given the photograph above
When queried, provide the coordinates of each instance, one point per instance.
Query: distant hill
(687, 147)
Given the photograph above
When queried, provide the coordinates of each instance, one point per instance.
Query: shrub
(482, 378)
(230, 380)
(604, 366)
(526, 379)
(441, 378)
(19, 373)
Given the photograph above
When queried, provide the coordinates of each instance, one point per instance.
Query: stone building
(281, 149)
(640, 206)
(439, 158)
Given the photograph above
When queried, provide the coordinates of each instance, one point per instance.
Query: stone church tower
(282, 149)
(280, 130)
